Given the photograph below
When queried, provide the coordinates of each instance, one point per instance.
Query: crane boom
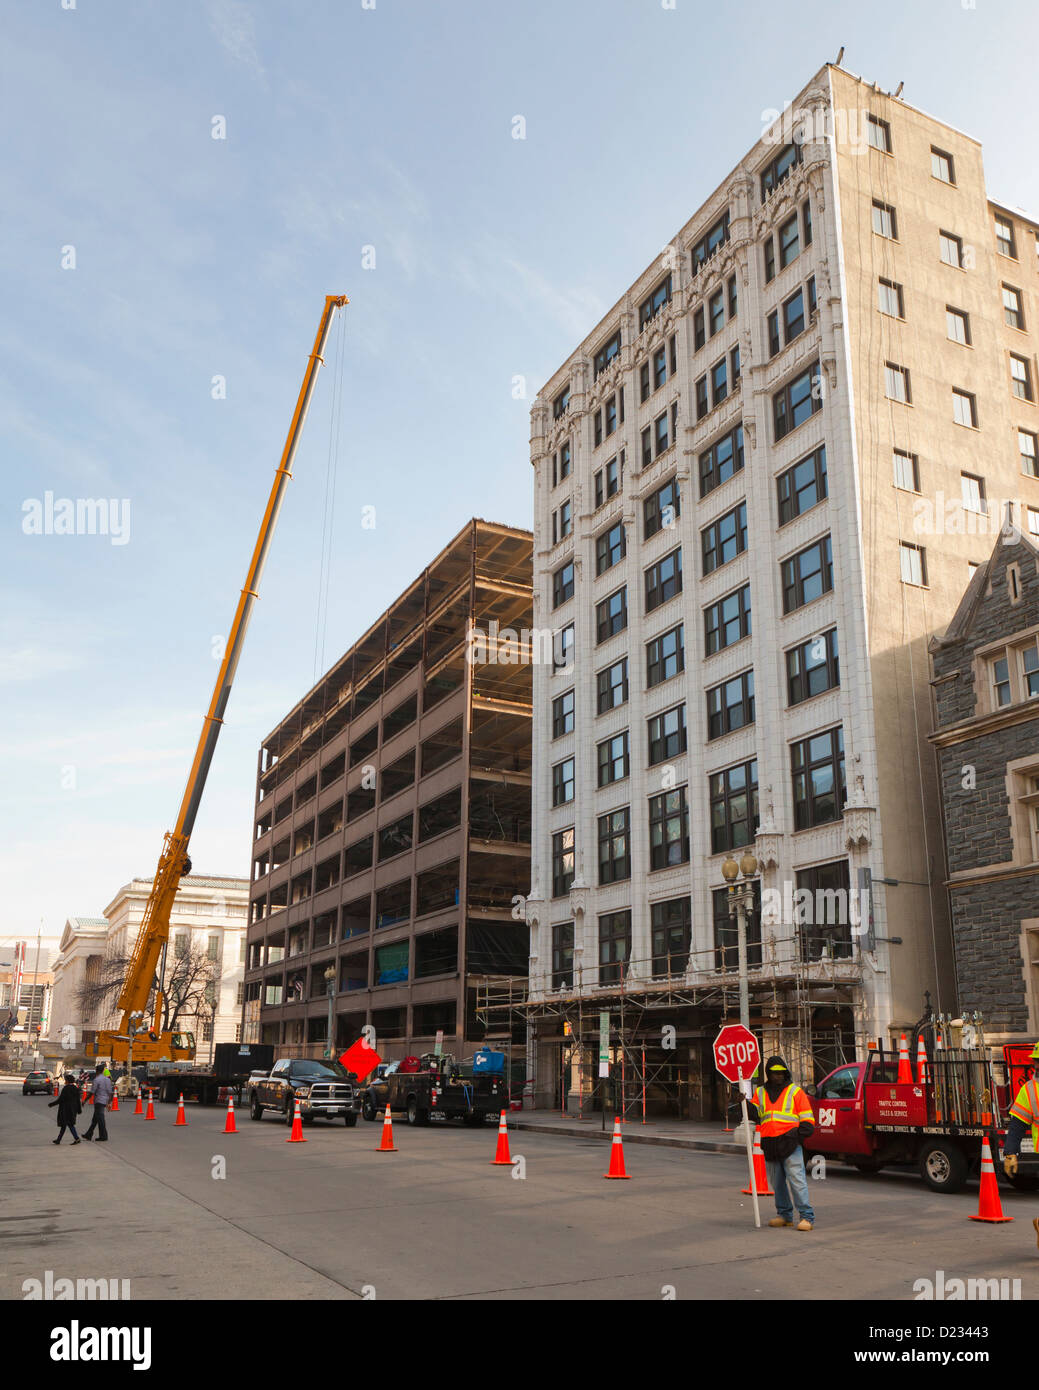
(174, 862)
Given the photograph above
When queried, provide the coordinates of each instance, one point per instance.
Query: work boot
(55, 1141)
(804, 1224)
(780, 1221)
(76, 1141)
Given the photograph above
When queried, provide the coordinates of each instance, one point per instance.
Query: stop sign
(736, 1050)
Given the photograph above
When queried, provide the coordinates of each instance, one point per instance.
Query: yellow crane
(135, 1036)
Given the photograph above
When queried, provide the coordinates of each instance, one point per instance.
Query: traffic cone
(113, 1109)
(921, 1061)
(297, 1136)
(387, 1146)
(140, 1105)
(501, 1153)
(989, 1207)
(181, 1119)
(229, 1124)
(905, 1070)
(760, 1171)
(149, 1114)
(616, 1168)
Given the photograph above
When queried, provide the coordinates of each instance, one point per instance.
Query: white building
(80, 954)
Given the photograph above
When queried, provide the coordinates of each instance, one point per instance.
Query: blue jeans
(788, 1178)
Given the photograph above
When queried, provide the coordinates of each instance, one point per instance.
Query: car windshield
(319, 1069)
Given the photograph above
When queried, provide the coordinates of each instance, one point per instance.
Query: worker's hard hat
(777, 1066)
(1035, 1053)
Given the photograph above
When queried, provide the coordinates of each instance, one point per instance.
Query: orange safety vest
(1026, 1108)
(783, 1114)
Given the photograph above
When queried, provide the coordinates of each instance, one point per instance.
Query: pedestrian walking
(68, 1108)
(783, 1113)
(102, 1089)
(1024, 1116)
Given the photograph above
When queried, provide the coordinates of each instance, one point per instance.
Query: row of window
(898, 387)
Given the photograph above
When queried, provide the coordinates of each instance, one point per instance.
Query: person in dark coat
(68, 1108)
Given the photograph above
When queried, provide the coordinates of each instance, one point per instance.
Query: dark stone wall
(986, 929)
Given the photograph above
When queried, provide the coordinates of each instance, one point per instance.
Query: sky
(163, 287)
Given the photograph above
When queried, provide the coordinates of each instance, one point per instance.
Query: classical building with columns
(762, 482)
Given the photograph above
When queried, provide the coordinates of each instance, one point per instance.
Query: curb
(662, 1141)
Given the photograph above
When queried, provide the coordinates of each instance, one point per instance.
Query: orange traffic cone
(113, 1109)
(297, 1136)
(989, 1206)
(616, 1168)
(921, 1061)
(149, 1114)
(229, 1124)
(181, 1119)
(760, 1171)
(905, 1070)
(501, 1153)
(140, 1104)
(387, 1146)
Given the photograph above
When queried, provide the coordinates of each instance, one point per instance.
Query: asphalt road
(333, 1218)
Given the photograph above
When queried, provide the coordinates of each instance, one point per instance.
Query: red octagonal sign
(736, 1050)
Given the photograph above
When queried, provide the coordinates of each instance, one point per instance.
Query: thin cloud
(232, 24)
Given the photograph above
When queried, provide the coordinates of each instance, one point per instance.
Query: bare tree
(189, 977)
(96, 997)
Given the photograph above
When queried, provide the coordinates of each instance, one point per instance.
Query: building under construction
(392, 824)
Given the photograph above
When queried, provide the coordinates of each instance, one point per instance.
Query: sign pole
(750, 1151)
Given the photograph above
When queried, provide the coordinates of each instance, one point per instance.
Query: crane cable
(335, 423)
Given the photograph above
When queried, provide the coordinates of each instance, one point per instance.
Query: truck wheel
(368, 1109)
(290, 1110)
(308, 1120)
(473, 1119)
(350, 1121)
(415, 1115)
(255, 1109)
(943, 1166)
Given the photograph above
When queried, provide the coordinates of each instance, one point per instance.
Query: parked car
(36, 1081)
(324, 1089)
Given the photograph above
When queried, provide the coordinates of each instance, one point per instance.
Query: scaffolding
(792, 993)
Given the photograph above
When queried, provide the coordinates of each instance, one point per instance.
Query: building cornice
(983, 724)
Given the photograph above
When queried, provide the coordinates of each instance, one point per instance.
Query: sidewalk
(704, 1136)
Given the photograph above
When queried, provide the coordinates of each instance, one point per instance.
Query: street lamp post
(741, 901)
(330, 986)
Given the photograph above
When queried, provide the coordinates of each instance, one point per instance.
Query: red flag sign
(360, 1059)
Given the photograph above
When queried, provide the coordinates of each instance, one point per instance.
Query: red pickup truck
(865, 1117)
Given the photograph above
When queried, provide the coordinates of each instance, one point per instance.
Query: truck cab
(324, 1090)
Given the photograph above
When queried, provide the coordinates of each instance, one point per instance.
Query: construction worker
(1024, 1115)
(784, 1115)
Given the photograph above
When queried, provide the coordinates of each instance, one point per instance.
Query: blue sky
(346, 127)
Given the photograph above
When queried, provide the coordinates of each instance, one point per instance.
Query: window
(779, 168)
(719, 383)
(889, 298)
(709, 244)
(610, 548)
(561, 404)
(817, 769)
(659, 367)
(912, 561)
(789, 242)
(666, 735)
(770, 259)
(734, 365)
(734, 806)
(180, 945)
(972, 490)
(896, 383)
(563, 955)
(699, 329)
(614, 946)
(652, 304)
(562, 523)
(807, 575)
(561, 463)
(957, 325)
(716, 312)
(824, 927)
(644, 386)
(607, 353)
(615, 846)
(673, 347)
(812, 667)
(610, 410)
(668, 829)
(802, 486)
(730, 705)
(608, 479)
(671, 928)
(562, 862)
(793, 316)
(774, 341)
(702, 406)
(563, 714)
(907, 471)
(722, 461)
(878, 133)
(612, 756)
(964, 408)
(563, 782)
(611, 615)
(727, 621)
(942, 166)
(726, 945)
(951, 249)
(812, 303)
(663, 580)
(213, 948)
(1015, 673)
(1028, 447)
(1020, 378)
(1033, 523)
(1012, 314)
(563, 648)
(885, 222)
(597, 435)
(661, 509)
(612, 686)
(1005, 238)
(563, 584)
(733, 299)
(806, 218)
(797, 401)
(724, 539)
(665, 657)
(660, 439)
